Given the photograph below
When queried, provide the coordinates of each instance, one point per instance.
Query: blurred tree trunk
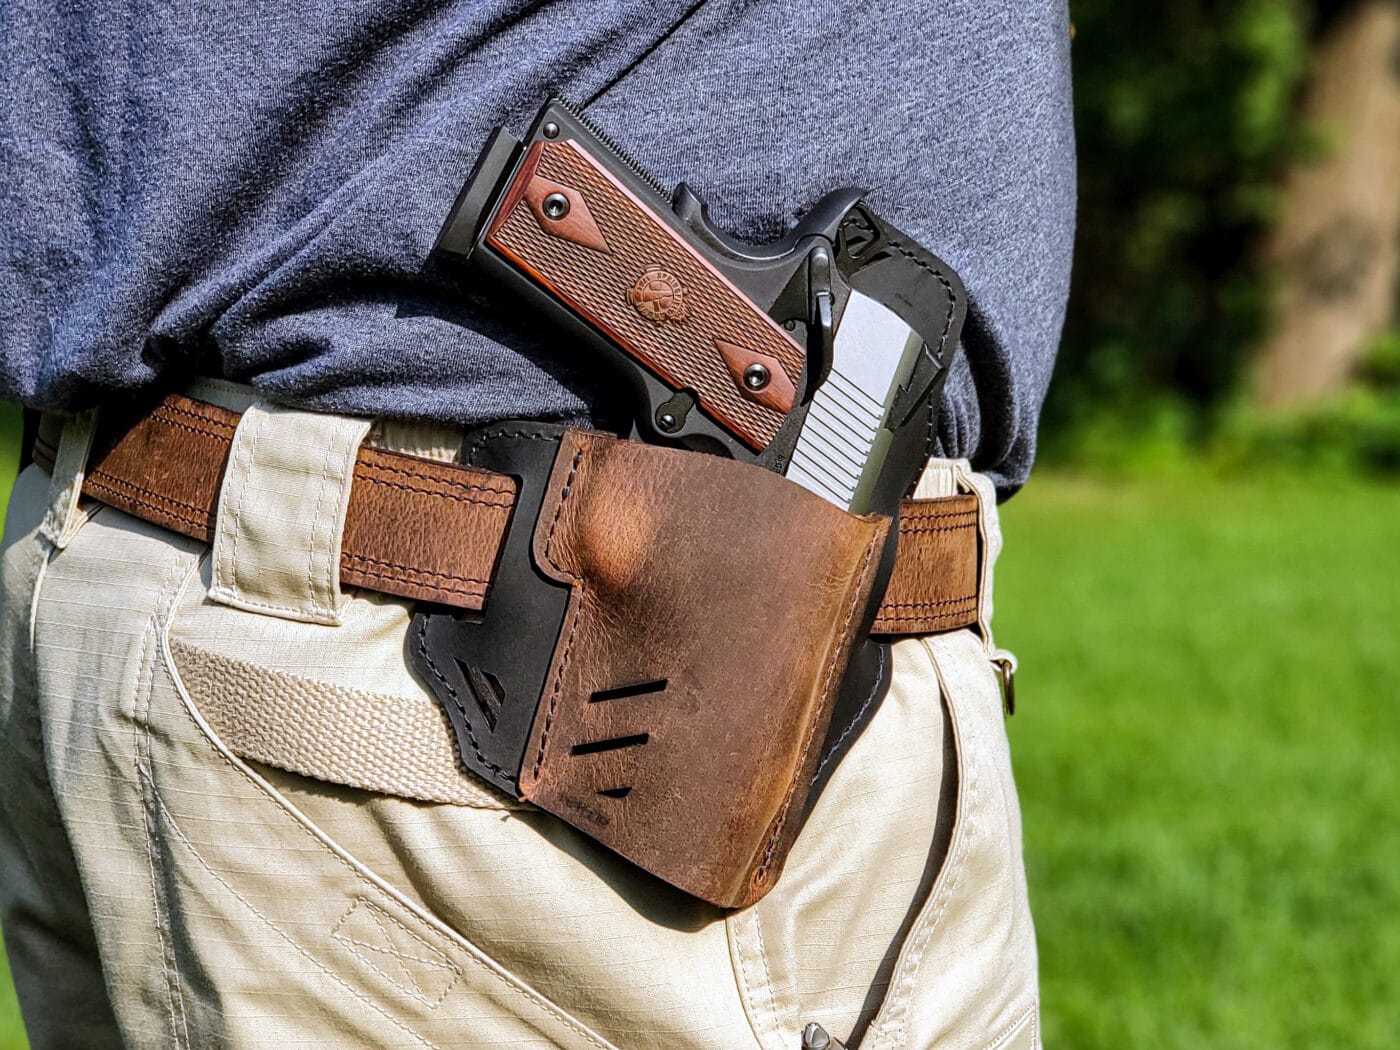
(1336, 248)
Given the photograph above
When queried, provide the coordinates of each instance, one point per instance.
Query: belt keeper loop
(989, 547)
(281, 513)
(66, 515)
(989, 534)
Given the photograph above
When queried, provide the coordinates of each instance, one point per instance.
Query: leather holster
(712, 609)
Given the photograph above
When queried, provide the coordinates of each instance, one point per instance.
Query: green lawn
(11, 1029)
(1207, 760)
(1207, 751)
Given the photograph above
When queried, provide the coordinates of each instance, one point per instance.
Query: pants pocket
(43, 909)
(901, 918)
(966, 974)
(279, 932)
(558, 941)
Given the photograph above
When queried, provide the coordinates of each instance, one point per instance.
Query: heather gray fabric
(252, 189)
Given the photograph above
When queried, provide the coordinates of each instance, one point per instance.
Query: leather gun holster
(708, 611)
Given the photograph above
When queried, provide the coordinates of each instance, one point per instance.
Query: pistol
(816, 356)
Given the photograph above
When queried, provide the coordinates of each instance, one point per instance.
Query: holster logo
(658, 296)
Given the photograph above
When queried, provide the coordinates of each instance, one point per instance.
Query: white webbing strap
(396, 745)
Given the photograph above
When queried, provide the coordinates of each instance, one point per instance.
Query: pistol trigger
(821, 325)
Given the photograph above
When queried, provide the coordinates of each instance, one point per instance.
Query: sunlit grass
(11, 1029)
(1208, 753)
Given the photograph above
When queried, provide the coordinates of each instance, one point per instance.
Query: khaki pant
(208, 836)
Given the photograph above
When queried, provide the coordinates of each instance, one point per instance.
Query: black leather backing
(488, 668)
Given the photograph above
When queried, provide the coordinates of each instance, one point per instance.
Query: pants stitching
(489, 968)
(966, 822)
(441, 960)
(1010, 1028)
(934, 920)
(767, 970)
(241, 468)
(319, 573)
(175, 829)
(354, 948)
(749, 997)
(142, 735)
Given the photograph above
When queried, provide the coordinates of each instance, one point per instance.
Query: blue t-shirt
(251, 190)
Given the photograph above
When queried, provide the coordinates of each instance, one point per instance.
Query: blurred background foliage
(1202, 579)
(1191, 116)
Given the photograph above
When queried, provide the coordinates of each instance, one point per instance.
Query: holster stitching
(457, 701)
(832, 661)
(573, 619)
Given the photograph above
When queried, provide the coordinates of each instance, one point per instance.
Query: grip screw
(555, 206)
(550, 130)
(671, 414)
(756, 376)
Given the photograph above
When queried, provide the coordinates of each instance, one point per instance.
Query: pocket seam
(172, 587)
(1010, 1030)
(299, 949)
(746, 928)
(434, 926)
(964, 819)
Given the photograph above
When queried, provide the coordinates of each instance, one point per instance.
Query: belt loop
(948, 477)
(65, 516)
(989, 529)
(282, 512)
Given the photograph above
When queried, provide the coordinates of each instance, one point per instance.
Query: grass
(1207, 759)
(11, 1028)
(1207, 754)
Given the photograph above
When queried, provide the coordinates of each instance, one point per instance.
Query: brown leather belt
(430, 531)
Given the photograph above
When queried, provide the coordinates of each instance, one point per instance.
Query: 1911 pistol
(815, 356)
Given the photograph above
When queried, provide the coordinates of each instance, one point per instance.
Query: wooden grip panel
(608, 256)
